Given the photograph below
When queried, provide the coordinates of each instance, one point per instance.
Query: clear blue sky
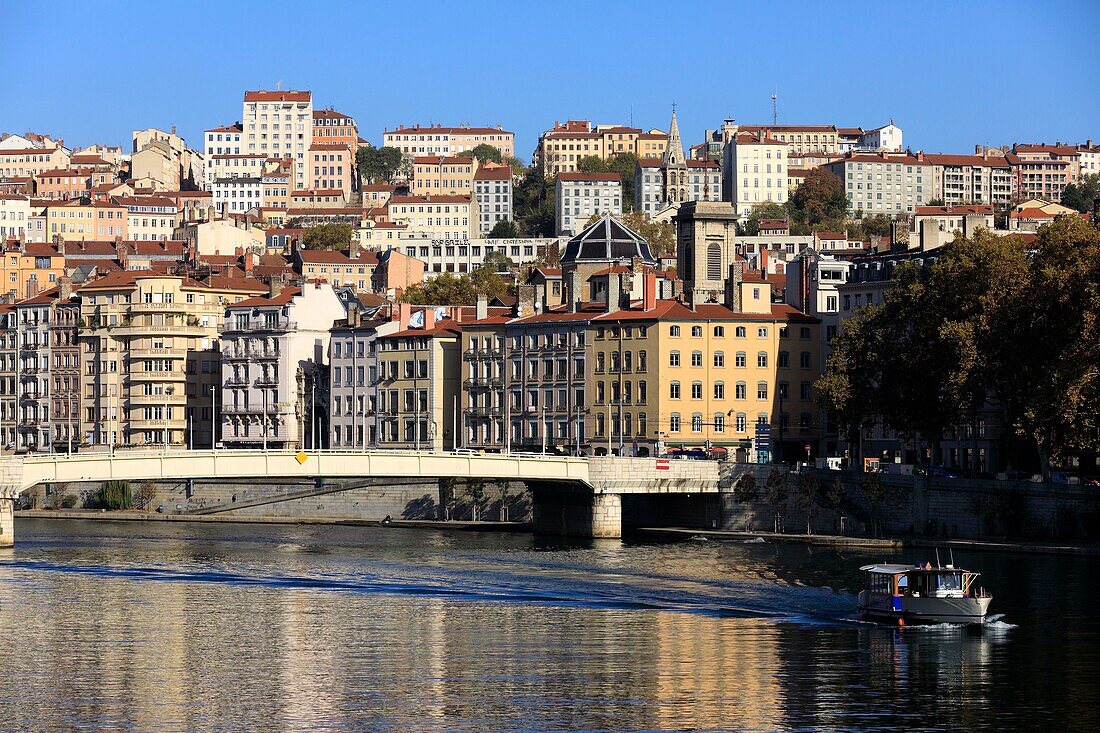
(951, 74)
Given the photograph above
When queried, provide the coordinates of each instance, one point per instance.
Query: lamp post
(167, 432)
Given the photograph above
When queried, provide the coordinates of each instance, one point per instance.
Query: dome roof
(607, 240)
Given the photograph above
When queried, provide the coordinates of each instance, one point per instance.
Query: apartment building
(151, 364)
(236, 165)
(331, 166)
(48, 386)
(31, 162)
(971, 179)
(469, 254)
(935, 226)
(580, 196)
(63, 184)
(884, 183)
(754, 170)
(493, 194)
(564, 144)
(73, 220)
(1043, 171)
(279, 124)
(449, 175)
(274, 371)
(443, 216)
(149, 218)
(354, 380)
(376, 195)
(799, 139)
(418, 396)
(335, 128)
(440, 140)
(15, 212)
(237, 195)
(342, 269)
(706, 377)
(9, 375)
(28, 268)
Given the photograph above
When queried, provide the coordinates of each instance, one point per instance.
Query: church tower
(675, 164)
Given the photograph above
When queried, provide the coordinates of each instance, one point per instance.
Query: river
(120, 626)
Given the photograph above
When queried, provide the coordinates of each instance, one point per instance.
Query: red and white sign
(662, 464)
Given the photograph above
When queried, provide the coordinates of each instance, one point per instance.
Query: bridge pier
(7, 522)
(571, 513)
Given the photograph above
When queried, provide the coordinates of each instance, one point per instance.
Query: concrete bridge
(572, 496)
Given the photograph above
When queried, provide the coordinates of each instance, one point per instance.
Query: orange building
(330, 126)
(63, 184)
(28, 269)
(330, 166)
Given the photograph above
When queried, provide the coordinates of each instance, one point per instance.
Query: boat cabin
(920, 581)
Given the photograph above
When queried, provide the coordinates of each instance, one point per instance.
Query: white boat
(922, 594)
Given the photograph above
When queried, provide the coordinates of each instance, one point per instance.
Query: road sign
(763, 436)
(662, 464)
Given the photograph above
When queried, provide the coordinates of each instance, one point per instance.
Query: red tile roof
(266, 96)
(441, 130)
(954, 210)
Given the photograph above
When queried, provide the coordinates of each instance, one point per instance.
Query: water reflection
(288, 628)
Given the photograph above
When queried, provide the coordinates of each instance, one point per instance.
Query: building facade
(279, 124)
(884, 183)
(440, 140)
(580, 196)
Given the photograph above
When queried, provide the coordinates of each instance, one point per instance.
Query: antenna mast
(775, 111)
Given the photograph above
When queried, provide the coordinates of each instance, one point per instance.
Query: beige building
(799, 139)
(149, 343)
(440, 217)
(149, 218)
(73, 220)
(446, 141)
(29, 162)
(443, 175)
(754, 169)
(331, 165)
(15, 213)
(884, 183)
(279, 124)
(563, 145)
(971, 179)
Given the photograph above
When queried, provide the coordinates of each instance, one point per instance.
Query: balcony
(158, 352)
(485, 411)
(260, 325)
(174, 399)
(484, 382)
(266, 381)
(156, 376)
(140, 422)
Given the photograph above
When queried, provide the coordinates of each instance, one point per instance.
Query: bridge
(571, 496)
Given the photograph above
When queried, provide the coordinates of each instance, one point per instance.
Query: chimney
(353, 249)
(763, 263)
(64, 288)
(977, 150)
(574, 291)
(649, 291)
(525, 301)
(429, 318)
(275, 286)
(482, 308)
(614, 292)
(404, 311)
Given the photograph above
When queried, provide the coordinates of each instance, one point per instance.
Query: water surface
(113, 626)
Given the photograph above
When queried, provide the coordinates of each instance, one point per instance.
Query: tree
(504, 229)
(517, 166)
(819, 199)
(661, 235)
(146, 493)
(745, 490)
(1083, 194)
(451, 289)
(776, 486)
(333, 236)
(765, 210)
(497, 261)
(534, 204)
(378, 165)
(486, 153)
(877, 225)
(874, 491)
(593, 164)
(625, 165)
(834, 495)
(115, 495)
(807, 496)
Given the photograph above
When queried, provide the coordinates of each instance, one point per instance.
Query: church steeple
(674, 153)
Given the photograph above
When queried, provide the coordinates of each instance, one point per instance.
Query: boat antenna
(952, 551)
(937, 557)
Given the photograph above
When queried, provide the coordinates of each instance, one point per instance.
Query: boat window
(903, 584)
(949, 581)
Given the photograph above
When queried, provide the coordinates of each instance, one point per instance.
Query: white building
(888, 138)
(149, 218)
(237, 195)
(493, 191)
(884, 183)
(274, 367)
(466, 255)
(754, 170)
(279, 125)
(15, 214)
(580, 196)
(224, 140)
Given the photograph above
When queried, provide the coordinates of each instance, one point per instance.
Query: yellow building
(800, 138)
(564, 144)
(149, 343)
(150, 218)
(670, 376)
(29, 268)
(443, 217)
(442, 175)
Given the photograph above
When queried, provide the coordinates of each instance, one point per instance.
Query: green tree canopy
(765, 210)
(451, 289)
(593, 164)
(378, 165)
(332, 236)
(1081, 195)
(534, 204)
(625, 164)
(504, 229)
(819, 199)
(486, 153)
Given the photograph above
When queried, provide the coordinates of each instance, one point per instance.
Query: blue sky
(950, 74)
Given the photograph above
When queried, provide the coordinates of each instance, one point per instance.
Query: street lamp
(167, 395)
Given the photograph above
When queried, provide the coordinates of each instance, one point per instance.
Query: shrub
(68, 501)
(115, 495)
(777, 486)
(745, 490)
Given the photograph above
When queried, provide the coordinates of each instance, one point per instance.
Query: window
(804, 360)
(674, 358)
(719, 390)
(696, 422)
(719, 331)
(696, 390)
(762, 359)
(697, 331)
(741, 422)
(674, 390)
(673, 330)
(719, 422)
(740, 332)
(719, 359)
(805, 391)
(674, 422)
(697, 358)
(740, 360)
(761, 390)
(740, 391)
(762, 332)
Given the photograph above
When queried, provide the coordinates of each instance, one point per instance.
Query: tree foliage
(333, 236)
(661, 235)
(378, 165)
(988, 323)
(777, 486)
(504, 229)
(115, 495)
(819, 201)
(765, 210)
(451, 289)
(486, 153)
(1083, 194)
(534, 204)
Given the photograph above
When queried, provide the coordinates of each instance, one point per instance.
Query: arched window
(740, 391)
(719, 359)
(696, 331)
(673, 330)
(741, 422)
(739, 360)
(714, 261)
(719, 390)
(674, 390)
(696, 390)
(674, 422)
(674, 358)
(696, 422)
(739, 332)
(719, 422)
(762, 359)
(761, 390)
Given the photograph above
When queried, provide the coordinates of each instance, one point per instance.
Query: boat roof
(897, 569)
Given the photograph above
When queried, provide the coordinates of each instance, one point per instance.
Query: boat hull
(926, 610)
